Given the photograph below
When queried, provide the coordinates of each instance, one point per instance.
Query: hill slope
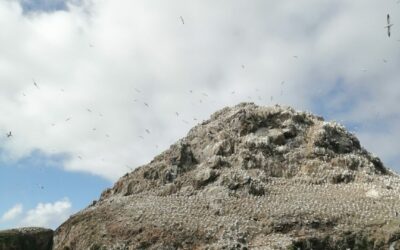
(249, 177)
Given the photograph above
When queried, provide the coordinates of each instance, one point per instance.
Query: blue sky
(40, 178)
(111, 75)
(43, 5)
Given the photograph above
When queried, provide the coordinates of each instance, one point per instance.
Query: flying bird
(137, 90)
(34, 83)
(146, 104)
(388, 25)
(147, 131)
(183, 21)
(69, 118)
(89, 110)
(9, 134)
(176, 113)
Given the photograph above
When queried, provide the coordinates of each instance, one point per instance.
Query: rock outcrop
(32, 238)
(250, 177)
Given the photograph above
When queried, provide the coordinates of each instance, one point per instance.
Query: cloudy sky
(91, 89)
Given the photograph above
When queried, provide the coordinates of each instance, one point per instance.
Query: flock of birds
(388, 27)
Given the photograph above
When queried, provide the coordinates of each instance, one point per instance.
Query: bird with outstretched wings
(388, 24)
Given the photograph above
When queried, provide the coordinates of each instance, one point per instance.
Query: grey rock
(32, 238)
(250, 177)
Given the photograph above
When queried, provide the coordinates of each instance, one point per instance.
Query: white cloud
(12, 213)
(48, 215)
(96, 54)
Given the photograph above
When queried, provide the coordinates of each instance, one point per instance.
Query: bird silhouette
(388, 24)
(182, 20)
(34, 83)
(9, 134)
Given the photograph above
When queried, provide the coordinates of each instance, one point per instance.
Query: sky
(91, 89)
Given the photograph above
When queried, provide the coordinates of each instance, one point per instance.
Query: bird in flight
(9, 134)
(146, 104)
(147, 131)
(388, 25)
(183, 21)
(34, 83)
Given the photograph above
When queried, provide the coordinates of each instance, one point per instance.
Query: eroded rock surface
(249, 177)
(26, 239)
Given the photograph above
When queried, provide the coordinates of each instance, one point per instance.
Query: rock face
(26, 239)
(250, 177)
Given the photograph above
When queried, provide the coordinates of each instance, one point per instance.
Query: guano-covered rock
(250, 177)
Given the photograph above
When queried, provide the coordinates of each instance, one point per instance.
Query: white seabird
(388, 25)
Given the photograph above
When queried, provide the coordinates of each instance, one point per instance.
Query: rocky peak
(249, 177)
(241, 147)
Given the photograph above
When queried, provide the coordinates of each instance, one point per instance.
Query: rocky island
(250, 177)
